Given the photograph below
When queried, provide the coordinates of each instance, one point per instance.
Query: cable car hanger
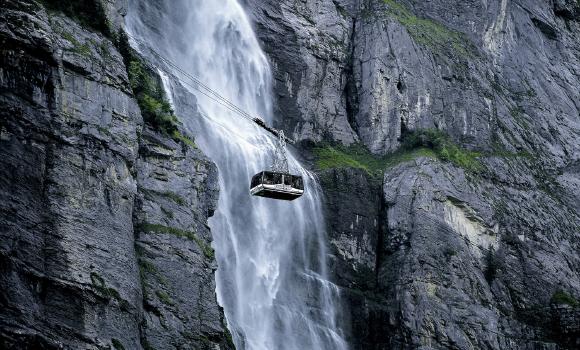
(277, 183)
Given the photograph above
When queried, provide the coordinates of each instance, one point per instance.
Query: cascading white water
(271, 278)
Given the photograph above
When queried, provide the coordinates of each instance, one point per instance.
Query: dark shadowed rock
(178, 190)
(73, 163)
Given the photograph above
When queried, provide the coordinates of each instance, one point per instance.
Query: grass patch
(358, 157)
(428, 32)
(562, 298)
(165, 298)
(81, 49)
(422, 143)
(146, 268)
(177, 136)
(444, 148)
(147, 88)
(206, 249)
(173, 196)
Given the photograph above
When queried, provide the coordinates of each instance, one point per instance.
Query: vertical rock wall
(74, 271)
(463, 258)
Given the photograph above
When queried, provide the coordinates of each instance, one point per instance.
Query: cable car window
(298, 183)
(272, 178)
(288, 180)
(277, 178)
(256, 180)
(268, 179)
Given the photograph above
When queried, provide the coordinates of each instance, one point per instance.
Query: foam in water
(271, 279)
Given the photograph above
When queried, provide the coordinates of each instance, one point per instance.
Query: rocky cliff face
(446, 136)
(462, 230)
(103, 235)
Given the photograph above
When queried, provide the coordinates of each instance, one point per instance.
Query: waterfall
(272, 259)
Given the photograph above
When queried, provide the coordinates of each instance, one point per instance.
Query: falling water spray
(271, 278)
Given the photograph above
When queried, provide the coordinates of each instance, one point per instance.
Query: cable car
(277, 185)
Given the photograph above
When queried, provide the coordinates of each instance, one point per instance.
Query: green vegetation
(81, 49)
(177, 136)
(444, 148)
(109, 293)
(206, 249)
(151, 97)
(117, 344)
(449, 252)
(228, 336)
(145, 267)
(358, 157)
(173, 196)
(148, 90)
(165, 298)
(563, 298)
(423, 143)
(428, 32)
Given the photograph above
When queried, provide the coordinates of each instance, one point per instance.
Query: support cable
(213, 95)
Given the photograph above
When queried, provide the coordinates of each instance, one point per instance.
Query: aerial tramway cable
(277, 183)
(212, 94)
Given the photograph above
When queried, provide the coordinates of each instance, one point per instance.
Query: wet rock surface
(103, 235)
(75, 171)
(439, 254)
(178, 190)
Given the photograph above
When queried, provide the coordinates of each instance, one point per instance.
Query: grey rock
(501, 77)
(69, 143)
(77, 171)
(178, 190)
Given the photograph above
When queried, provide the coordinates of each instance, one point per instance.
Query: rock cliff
(446, 135)
(104, 240)
(446, 138)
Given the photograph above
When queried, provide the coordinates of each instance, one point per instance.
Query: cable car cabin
(277, 185)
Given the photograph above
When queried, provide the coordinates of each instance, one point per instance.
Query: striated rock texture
(464, 238)
(178, 190)
(76, 174)
(477, 250)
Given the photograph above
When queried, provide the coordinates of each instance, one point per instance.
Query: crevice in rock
(549, 31)
(350, 89)
(382, 230)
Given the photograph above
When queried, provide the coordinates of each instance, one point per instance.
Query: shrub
(150, 96)
(165, 298)
(148, 89)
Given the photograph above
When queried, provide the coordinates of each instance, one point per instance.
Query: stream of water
(271, 278)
